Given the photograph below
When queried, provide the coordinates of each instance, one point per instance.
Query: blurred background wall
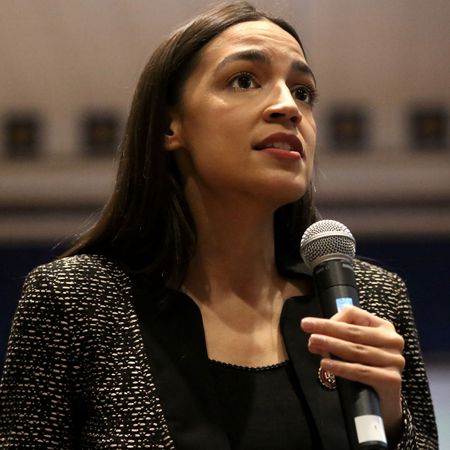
(68, 71)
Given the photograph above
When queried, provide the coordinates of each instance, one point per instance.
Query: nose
(283, 107)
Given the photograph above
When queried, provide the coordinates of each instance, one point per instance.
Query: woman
(167, 326)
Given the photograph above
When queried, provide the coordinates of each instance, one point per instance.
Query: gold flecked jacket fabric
(77, 376)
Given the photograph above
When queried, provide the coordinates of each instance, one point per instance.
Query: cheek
(311, 127)
(214, 134)
(310, 139)
(204, 144)
(310, 134)
(206, 122)
(205, 155)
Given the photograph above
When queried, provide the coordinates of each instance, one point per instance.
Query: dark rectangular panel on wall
(428, 126)
(100, 133)
(348, 128)
(22, 135)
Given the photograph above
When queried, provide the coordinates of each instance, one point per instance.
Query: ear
(173, 138)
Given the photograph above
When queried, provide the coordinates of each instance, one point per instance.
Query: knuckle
(348, 313)
(392, 338)
(388, 325)
(401, 363)
(365, 371)
(359, 349)
(401, 342)
(397, 341)
(394, 378)
(354, 333)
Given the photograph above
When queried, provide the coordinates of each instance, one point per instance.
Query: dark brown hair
(146, 226)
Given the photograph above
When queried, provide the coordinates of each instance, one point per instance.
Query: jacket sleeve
(35, 396)
(384, 294)
(419, 425)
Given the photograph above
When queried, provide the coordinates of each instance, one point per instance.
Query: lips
(281, 141)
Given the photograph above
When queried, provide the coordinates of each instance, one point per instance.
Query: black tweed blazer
(96, 361)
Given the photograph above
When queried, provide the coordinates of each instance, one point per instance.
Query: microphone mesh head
(326, 239)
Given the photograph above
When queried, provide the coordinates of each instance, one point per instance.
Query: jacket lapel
(324, 404)
(175, 344)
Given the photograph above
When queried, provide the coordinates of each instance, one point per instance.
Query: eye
(305, 94)
(243, 81)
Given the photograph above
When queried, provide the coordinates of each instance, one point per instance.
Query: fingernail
(327, 364)
(308, 323)
(317, 339)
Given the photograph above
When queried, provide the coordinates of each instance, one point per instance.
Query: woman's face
(245, 125)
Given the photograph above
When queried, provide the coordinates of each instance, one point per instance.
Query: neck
(235, 253)
(234, 281)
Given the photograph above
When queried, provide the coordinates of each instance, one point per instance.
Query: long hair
(146, 225)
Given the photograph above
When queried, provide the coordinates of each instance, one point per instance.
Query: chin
(284, 193)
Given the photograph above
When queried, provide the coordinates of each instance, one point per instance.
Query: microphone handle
(336, 287)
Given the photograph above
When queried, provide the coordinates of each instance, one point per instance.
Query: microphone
(328, 248)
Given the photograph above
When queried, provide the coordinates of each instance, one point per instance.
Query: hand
(371, 353)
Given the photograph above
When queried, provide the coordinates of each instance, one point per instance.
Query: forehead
(262, 34)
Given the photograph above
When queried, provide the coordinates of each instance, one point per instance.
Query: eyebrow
(259, 56)
(303, 68)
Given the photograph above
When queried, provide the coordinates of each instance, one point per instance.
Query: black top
(263, 408)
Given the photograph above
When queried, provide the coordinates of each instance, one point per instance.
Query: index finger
(381, 333)
(357, 316)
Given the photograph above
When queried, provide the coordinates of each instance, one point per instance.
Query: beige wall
(61, 58)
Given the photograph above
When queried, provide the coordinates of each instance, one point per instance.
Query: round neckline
(249, 368)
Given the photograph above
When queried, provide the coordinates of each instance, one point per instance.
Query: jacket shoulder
(380, 291)
(80, 266)
(375, 274)
(76, 282)
(79, 271)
